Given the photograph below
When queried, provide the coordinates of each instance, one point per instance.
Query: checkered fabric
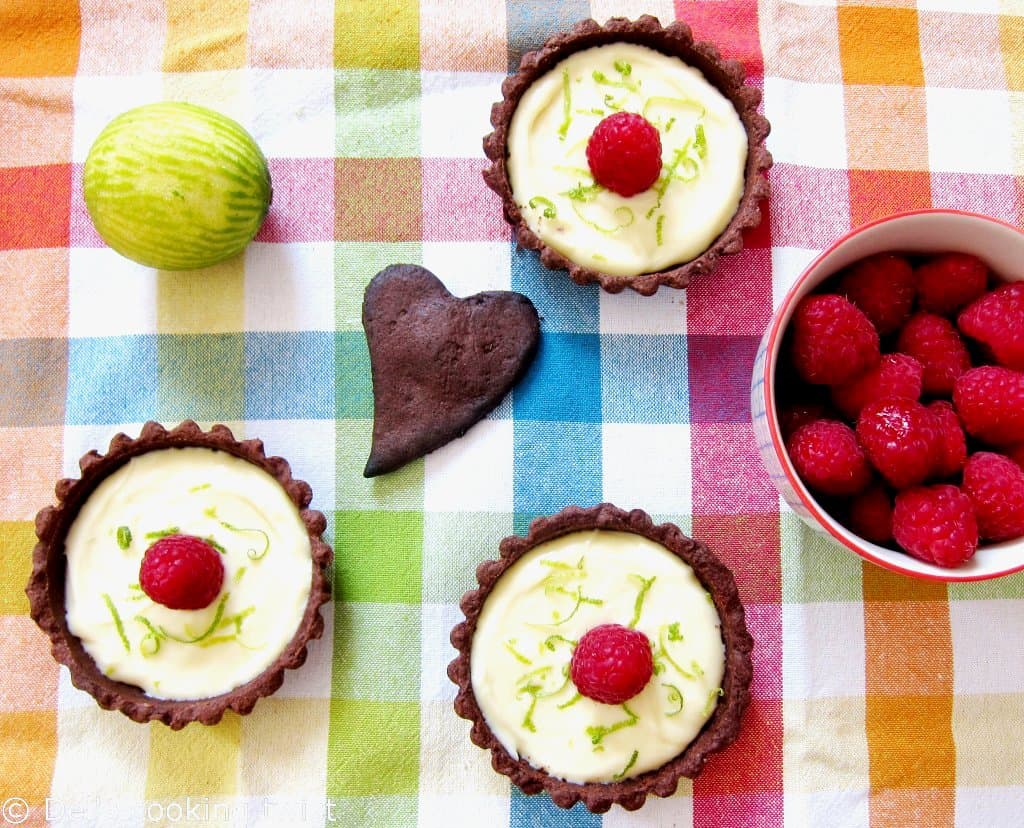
(876, 700)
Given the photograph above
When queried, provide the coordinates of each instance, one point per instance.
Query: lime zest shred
(713, 698)
(117, 622)
(612, 104)
(163, 533)
(550, 211)
(580, 598)
(629, 764)
(510, 645)
(602, 79)
(592, 111)
(623, 67)
(638, 604)
(552, 641)
(200, 487)
(700, 142)
(210, 540)
(668, 126)
(598, 732)
(659, 230)
(252, 553)
(239, 574)
(156, 634)
(673, 632)
(623, 215)
(663, 652)
(563, 129)
(124, 537)
(675, 696)
(570, 703)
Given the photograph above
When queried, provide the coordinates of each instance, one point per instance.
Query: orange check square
(910, 742)
(880, 46)
(876, 193)
(28, 749)
(40, 39)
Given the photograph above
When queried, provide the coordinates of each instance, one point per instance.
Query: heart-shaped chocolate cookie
(438, 363)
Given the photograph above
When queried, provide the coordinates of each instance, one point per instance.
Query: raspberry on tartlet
(624, 153)
(612, 663)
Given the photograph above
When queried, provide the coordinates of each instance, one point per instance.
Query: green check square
(371, 810)
(373, 748)
(378, 113)
(201, 377)
(353, 386)
(400, 489)
(355, 264)
(1007, 588)
(454, 543)
(376, 651)
(815, 567)
(378, 556)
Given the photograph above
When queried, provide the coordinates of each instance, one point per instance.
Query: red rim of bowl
(819, 514)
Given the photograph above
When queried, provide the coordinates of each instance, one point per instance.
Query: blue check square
(289, 376)
(645, 378)
(564, 382)
(111, 379)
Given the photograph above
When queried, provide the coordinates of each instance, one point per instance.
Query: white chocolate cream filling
(525, 636)
(267, 573)
(704, 152)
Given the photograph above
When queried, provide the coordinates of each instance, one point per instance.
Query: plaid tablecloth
(877, 699)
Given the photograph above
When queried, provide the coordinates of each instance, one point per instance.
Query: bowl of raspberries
(888, 395)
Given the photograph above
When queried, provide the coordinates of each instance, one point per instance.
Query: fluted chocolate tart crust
(46, 586)
(719, 730)
(675, 40)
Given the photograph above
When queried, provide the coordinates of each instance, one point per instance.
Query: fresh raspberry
(990, 402)
(947, 282)
(883, 287)
(828, 458)
(624, 153)
(899, 438)
(871, 515)
(995, 485)
(997, 321)
(934, 342)
(612, 663)
(897, 375)
(181, 572)
(1016, 454)
(951, 444)
(833, 341)
(794, 415)
(936, 524)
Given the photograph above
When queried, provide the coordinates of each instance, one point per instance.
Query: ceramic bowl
(1001, 247)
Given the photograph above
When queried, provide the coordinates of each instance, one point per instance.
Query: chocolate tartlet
(599, 733)
(132, 478)
(677, 262)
